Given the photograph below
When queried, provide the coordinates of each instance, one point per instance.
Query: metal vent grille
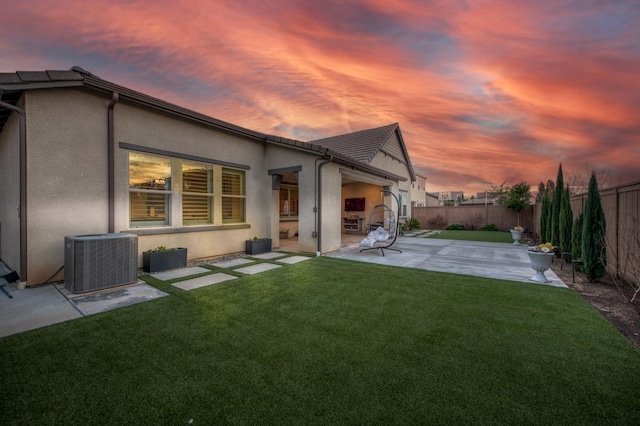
(95, 262)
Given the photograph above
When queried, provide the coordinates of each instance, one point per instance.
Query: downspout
(22, 207)
(111, 160)
(319, 203)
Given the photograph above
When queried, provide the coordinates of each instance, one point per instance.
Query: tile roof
(350, 149)
(365, 144)
(362, 145)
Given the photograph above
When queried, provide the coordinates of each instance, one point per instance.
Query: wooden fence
(621, 205)
(472, 217)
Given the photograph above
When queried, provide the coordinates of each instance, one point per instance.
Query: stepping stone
(255, 269)
(179, 273)
(293, 259)
(204, 281)
(270, 255)
(232, 263)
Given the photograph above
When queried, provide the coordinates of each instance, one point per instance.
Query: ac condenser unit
(95, 262)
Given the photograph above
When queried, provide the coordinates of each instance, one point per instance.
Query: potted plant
(541, 257)
(258, 245)
(284, 234)
(516, 234)
(163, 259)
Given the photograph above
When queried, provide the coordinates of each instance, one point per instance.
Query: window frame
(174, 196)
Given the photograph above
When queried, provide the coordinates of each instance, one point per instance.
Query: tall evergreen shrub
(555, 208)
(544, 219)
(566, 221)
(594, 231)
(576, 238)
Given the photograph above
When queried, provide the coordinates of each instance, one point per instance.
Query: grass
(487, 236)
(329, 341)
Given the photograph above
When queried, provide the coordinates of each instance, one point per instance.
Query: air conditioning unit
(95, 262)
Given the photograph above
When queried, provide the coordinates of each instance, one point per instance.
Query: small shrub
(455, 227)
(414, 223)
(437, 222)
(473, 222)
(490, 227)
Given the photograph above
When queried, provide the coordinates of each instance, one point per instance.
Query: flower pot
(540, 262)
(163, 260)
(261, 245)
(284, 235)
(516, 235)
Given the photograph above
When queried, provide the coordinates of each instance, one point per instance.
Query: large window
(149, 189)
(288, 201)
(199, 193)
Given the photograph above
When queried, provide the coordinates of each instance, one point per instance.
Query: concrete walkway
(490, 260)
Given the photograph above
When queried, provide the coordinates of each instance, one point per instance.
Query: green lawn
(329, 341)
(488, 236)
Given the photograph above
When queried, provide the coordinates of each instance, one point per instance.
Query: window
(197, 193)
(404, 197)
(209, 193)
(288, 201)
(233, 196)
(149, 189)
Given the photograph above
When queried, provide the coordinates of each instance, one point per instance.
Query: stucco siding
(67, 184)
(279, 158)
(10, 191)
(146, 128)
(331, 208)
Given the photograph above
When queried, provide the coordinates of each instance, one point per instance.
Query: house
(432, 199)
(81, 155)
(419, 192)
(452, 198)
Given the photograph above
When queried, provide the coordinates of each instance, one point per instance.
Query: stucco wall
(67, 174)
(278, 158)
(386, 162)
(147, 128)
(10, 191)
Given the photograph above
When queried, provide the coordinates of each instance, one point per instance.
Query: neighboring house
(419, 192)
(452, 198)
(432, 199)
(81, 155)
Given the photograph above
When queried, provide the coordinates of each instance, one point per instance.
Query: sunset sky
(485, 92)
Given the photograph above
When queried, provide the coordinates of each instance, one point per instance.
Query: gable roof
(12, 85)
(365, 144)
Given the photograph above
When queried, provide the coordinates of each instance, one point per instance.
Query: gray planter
(261, 245)
(156, 261)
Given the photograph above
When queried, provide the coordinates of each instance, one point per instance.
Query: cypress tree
(566, 221)
(594, 231)
(576, 238)
(555, 208)
(544, 219)
(548, 218)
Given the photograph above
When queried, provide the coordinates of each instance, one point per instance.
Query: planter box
(156, 261)
(262, 245)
